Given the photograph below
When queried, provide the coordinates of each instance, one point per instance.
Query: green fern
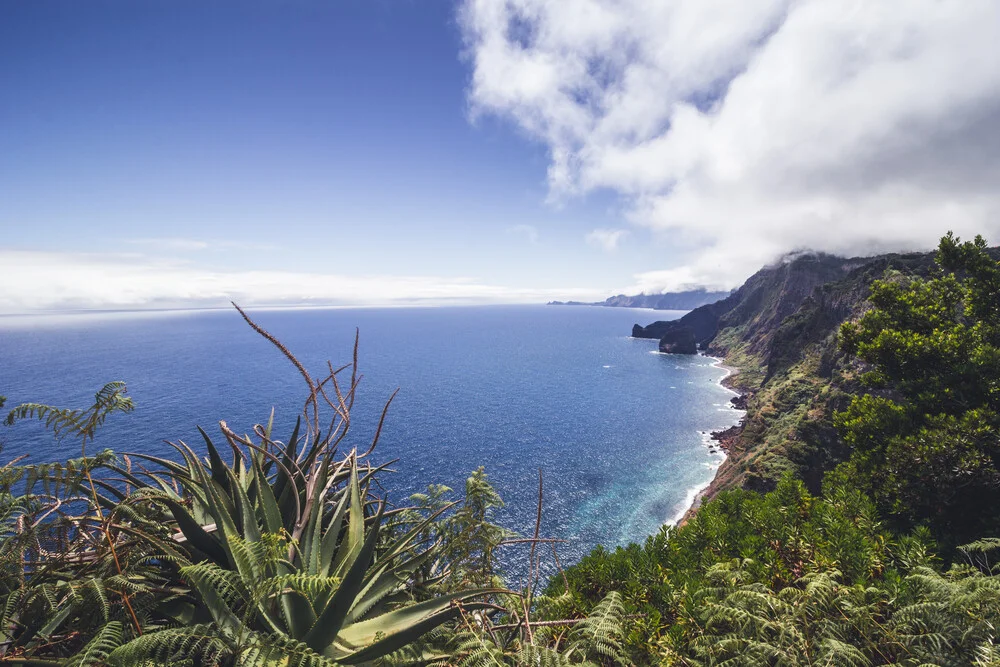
(202, 644)
(98, 650)
(593, 641)
(84, 423)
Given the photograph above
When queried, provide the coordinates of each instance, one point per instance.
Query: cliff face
(679, 341)
(779, 330)
(764, 300)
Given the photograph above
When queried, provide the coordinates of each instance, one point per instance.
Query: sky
(285, 152)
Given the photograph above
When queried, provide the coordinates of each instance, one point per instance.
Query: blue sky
(283, 151)
(313, 137)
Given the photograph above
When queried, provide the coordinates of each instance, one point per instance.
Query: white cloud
(606, 239)
(175, 244)
(748, 129)
(35, 281)
(527, 232)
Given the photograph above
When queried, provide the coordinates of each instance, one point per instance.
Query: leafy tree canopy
(926, 436)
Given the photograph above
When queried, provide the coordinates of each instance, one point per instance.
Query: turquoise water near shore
(617, 428)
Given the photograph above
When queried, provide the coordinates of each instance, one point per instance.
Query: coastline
(723, 440)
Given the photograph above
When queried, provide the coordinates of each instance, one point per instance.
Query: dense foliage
(893, 562)
(926, 439)
(791, 579)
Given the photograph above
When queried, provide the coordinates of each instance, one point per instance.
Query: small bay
(617, 428)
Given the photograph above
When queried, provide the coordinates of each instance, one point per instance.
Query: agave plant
(286, 541)
(282, 547)
(281, 554)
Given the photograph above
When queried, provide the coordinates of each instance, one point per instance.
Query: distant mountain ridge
(687, 300)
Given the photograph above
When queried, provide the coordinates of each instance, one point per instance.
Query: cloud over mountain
(746, 130)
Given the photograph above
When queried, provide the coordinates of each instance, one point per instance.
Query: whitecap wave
(691, 497)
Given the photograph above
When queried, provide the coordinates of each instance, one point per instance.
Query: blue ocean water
(616, 427)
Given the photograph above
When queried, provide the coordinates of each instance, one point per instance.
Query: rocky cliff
(779, 330)
(764, 300)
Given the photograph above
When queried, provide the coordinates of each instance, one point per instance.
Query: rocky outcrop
(655, 330)
(764, 300)
(679, 340)
(702, 322)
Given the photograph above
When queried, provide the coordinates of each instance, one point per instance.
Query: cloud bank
(46, 281)
(743, 130)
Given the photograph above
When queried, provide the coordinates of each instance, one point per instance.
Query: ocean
(618, 429)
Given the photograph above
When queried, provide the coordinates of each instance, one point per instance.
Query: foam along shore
(693, 498)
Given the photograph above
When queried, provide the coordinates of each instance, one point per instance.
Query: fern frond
(97, 651)
(109, 399)
(196, 644)
(264, 650)
(476, 651)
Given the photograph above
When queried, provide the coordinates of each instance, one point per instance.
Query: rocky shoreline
(728, 440)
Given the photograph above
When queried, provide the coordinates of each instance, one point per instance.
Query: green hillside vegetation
(876, 443)
(793, 370)
(854, 523)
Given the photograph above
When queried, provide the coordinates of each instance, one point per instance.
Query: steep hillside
(779, 331)
(755, 309)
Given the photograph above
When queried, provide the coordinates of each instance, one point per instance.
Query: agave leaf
(330, 620)
(217, 504)
(310, 538)
(200, 508)
(219, 469)
(404, 542)
(183, 612)
(117, 493)
(125, 474)
(354, 540)
(164, 485)
(288, 459)
(332, 534)
(53, 625)
(246, 514)
(392, 570)
(174, 469)
(213, 601)
(270, 515)
(299, 614)
(386, 581)
(195, 534)
(391, 631)
(314, 451)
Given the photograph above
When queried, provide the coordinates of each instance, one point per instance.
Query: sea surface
(617, 429)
